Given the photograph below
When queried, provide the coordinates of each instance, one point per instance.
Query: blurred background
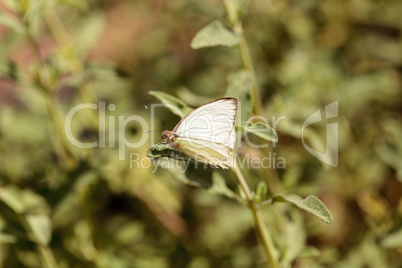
(62, 206)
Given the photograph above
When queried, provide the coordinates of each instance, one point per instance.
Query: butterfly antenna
(146, 131)
(156, 121)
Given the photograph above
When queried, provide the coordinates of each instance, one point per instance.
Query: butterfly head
(165, 134)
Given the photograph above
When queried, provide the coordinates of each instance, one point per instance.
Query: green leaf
(41, 228)
(164, 150)
(310, 204)
(219, 187)
(175, 105)
(293, 236)
(309, 251)
(393, 240)
(195, 173)
(12, 5)
(89, 31)
(206, 177)
(11, 22)
(215, 34)
(240, 82)
(13, 198)
(34, 10)
(261, 192)
(261, 130)
(7, 239)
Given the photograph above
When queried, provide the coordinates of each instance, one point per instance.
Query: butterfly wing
(209, 130)
(202, 152)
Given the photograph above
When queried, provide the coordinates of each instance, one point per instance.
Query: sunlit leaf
(393, 240)
(13, 197)
(7, 238)
(175, 105)
(41, 228)
(215, 34)
(310, 204)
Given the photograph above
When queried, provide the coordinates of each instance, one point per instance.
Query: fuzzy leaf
(175, 105)
(164, 150)
(310, 204)
(195, 173)
(215, 34)
(261, 130)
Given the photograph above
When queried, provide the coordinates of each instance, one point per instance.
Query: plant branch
(243, 184)
(265, 238)
(44, 82)
(267, 243)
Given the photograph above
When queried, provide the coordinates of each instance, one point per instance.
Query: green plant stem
(248, 65)
(267, 243)
(56, 27)
(243, 183)
(258, 110)
(44, 82)
(265, 238)
(67, 157)
(63, 39)
(273, 183)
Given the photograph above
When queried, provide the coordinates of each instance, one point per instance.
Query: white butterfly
(207, 134)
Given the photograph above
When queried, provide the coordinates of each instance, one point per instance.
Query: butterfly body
(207, 134)
(170, 137)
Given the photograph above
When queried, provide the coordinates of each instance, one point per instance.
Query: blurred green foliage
(62, 206)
